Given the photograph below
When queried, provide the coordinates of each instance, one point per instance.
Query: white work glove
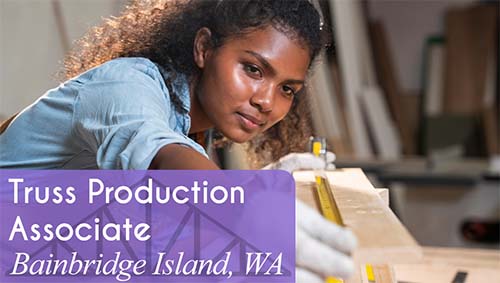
(322, 247)
(302, 161)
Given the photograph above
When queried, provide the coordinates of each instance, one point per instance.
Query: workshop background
(409, 92)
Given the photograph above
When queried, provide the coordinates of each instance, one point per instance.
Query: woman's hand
(322, 247)
(302, 161)
(180, 157)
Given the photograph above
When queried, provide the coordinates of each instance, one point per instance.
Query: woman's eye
(252, 70)
(288, 91)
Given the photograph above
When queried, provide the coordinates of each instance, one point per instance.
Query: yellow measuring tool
(327, 204)
(324, 195)
(323, 192)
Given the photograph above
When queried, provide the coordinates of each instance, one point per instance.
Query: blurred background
(409, 91)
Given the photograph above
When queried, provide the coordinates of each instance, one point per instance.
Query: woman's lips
(249, 122)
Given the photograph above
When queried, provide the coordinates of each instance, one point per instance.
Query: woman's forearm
(176, 156)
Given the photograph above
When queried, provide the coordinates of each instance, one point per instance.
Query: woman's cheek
(283, 106)
(243, 85)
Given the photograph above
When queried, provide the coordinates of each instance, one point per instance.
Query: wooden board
(441, 265)
(366, 110)
(382, 130)
(381, 236)
(491, 130)
(345, 19)
(491, 108)
(410, 103)
(325, 109)
(433, 76)
(387, 77)
(470, 39)
(346, 136)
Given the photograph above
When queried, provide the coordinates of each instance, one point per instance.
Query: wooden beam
(325, 109)
(381, 236)
(471, 33)
(344, 19)
(389, 82)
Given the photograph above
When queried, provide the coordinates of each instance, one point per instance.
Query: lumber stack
(459, 102)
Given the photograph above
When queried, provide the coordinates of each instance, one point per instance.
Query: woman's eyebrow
(262, 60)
(300, 82)
(270, 68)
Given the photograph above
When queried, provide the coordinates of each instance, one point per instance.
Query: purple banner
(147, 226)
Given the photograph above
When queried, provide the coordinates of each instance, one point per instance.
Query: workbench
(441, 265)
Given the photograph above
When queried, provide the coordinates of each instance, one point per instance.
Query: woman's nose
(263, 99)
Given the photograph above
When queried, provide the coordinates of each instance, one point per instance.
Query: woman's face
(248, 84)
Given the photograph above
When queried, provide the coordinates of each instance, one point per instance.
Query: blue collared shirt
(114, 116)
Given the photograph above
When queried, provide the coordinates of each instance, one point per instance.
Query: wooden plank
(346, 135)
(344, 21)
(387, 77)
(434, 71)
(381, 127)
(441, 265)
(470, 39)
(381, 236)
(410, 103)
(490, 109)
(491, 130)
(363, 96)
(325, 109)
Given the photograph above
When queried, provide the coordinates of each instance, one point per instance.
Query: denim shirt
(114, 116)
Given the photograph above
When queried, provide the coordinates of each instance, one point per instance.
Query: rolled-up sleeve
(126, 122)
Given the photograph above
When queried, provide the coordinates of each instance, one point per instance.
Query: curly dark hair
(164, 31)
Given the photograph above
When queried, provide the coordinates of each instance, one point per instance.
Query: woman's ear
(202, 46)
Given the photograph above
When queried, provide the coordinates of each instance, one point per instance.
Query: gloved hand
(322, 247)
(297, 161)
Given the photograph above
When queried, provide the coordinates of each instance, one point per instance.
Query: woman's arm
(176, 156)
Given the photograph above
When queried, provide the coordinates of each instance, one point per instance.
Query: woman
(142, 85)
(175, 53)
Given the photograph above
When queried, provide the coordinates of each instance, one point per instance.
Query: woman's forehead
(280, 50)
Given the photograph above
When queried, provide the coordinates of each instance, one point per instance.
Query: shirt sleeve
(126, 122)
